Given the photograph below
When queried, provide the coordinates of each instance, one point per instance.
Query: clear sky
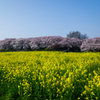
(35, 18)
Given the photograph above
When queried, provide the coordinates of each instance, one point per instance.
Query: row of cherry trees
(50, 42)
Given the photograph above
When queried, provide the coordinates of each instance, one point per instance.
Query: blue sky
(35, 18)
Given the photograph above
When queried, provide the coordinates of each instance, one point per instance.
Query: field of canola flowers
(49, 75)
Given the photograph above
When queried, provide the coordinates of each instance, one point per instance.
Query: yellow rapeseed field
(49, 75)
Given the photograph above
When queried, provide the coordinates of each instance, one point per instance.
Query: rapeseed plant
(50, 75)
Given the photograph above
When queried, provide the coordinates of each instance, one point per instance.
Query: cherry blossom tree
(26, 44)
(6, 44)
(91, 45)
(18, 44)
(70, 44)
(44, 42)
(75, 43)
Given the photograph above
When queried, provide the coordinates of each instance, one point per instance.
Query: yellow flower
(92, 93)
(87, 98)
(60, 83)
(57, 95)
(61, 96)
(18, 86)
(18, 92)
(96, 98)
(78, 98)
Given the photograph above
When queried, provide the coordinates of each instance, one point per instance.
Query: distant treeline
(51, 43)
